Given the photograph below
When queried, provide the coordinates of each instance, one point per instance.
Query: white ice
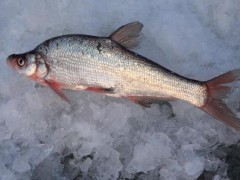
(42, 137)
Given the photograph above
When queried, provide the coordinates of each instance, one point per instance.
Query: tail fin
(216, 91)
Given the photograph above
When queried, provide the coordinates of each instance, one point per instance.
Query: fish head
(28, 64)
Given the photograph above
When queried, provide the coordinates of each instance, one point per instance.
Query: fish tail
(216, 91)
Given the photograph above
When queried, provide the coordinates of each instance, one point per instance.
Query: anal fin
(137, 100)
(56, 88)
(146, 101)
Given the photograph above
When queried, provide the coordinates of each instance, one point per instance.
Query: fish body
(78, 62)
(106, 65)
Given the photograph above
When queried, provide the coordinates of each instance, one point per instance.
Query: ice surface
(42, 137)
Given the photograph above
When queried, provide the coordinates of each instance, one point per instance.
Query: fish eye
(21, 62)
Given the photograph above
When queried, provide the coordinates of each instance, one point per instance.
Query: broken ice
(41, 137)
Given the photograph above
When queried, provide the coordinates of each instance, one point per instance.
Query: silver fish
(106, 65)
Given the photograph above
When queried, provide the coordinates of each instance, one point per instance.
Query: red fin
(225, 78)
(217, 91)
(146, 101)
(56, 88)
(100, 90)
(136, 100)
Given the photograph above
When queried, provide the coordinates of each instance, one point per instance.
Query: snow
(98, 137)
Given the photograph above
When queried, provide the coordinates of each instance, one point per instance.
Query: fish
(107, 65)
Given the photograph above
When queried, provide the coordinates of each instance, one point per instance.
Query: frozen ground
(42, 137)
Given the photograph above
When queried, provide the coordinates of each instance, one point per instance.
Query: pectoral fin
(127, 35)
(56, 88)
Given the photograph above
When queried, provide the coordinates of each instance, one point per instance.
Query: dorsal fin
(127, 35)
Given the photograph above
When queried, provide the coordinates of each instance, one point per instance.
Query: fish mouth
(11, 61)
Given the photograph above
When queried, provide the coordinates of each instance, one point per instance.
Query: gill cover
(42, 68)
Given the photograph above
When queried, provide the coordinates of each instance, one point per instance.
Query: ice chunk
(166, 174)
(86, 164)
(152, 152)
(194, 168)
(107, 165)
(40, 153)
(19, 165)
(5, 173)
(49, 168)
(173, 170)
